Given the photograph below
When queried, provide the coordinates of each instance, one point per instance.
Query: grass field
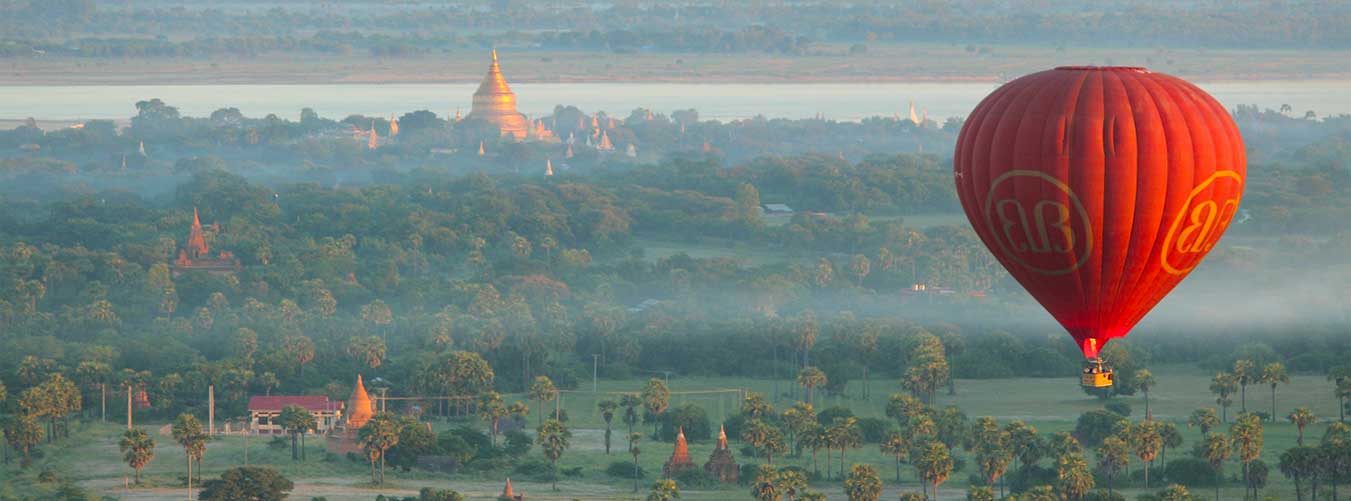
(91, 458)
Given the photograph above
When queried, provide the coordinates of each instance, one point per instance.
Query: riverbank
(831, 64)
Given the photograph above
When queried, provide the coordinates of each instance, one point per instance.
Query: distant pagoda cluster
(720, 465)
(196, 255)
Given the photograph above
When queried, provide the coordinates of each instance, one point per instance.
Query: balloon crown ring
(1131, 69)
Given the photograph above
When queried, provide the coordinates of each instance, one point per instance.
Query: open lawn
(90, 456)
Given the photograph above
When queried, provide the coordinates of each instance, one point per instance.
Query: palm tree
(792, 483)
(1205, 419)
(187, 431)
(1300, 463)
(764, 437)
(1245, 371)
(811, 378)
(765, 487)
(607, 412)
(1146, 441)
(376, 437)
(1223, 386)
(1172, 439)
(1113, 456)
(634, 450)
(1073, 475)
(296, 421)
(1274, 374)
(862, 484)
(897, 447)
(631, 403)
(664, 490)
(553, 439)
(138, 449)
(1302, 417)
(492, 409)
(542, 390)
(844, 435)
(1144, 380)
(1245, 435)
(935, 465)
(1215, 449)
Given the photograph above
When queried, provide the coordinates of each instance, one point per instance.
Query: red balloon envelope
(1099, 189)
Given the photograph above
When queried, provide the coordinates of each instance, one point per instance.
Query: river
(843, 101)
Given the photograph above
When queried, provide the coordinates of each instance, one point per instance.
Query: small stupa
(721, 465)
(359, 410)
(680, 458)
(508, 494)
(548, 167)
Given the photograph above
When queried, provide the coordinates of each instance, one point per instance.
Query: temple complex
(496, 103)
(360, 409)
(680, 458)
(721, 465)
(196, 255)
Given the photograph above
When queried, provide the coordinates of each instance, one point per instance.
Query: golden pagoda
(375, 139)
(496, 103)
(605, 144)
(548, 167)
(359, 408)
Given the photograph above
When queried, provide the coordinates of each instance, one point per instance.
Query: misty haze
(669, 249)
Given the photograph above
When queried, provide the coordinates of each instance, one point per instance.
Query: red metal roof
(276, 403)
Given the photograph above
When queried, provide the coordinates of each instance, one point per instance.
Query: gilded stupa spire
(496, 103)
(359, 408)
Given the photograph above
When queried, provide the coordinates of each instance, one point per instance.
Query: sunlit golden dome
(496, 103)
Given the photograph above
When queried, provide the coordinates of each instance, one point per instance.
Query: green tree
(935, 465)
(656, 398)
(1113, 456)
(1205, 419)
(1245, 373)
(297, 421)
(843, 434)
(22, 433)
(553, 439)
(138, 449)
(607, 412)
(928, 368)
(1223, 386)
(1026, 445)
(1174, 492)
(1073, 476)
(188, 433)
(765, 486)
(811, 378)
(797, 420)
(631, 403)
(376, 437)
(898, 448)
(862, 483)
(1144, 381)
(492, 409)
(978, 493)
(1215, 449)
(1274, 374)
(1301, 463)
(542, 390)
(1301, 417)
(767, 439)
(1245, 436)
(634, 450)
(664, 490)
(247, 483)
(1146, 441)
(792, 483)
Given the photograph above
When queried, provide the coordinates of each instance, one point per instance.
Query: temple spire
(197, 247)
(548, 167)
(722, 437)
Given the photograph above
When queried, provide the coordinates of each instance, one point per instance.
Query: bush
(516, 443)
(874, 430)
(575, 471)
(536, 469)
(828, 416)
(1119, 407)
(695, 478)
(624, 469)
(1191, 472)
(1095, 425)
(1023, 479)
(432, 494)
(691, 417)
(747, 475)
(1103, 495)
(278, 443)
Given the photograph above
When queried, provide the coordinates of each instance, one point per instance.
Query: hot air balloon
(1099, 189)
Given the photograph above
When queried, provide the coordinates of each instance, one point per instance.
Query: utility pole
(595, 363)
(103, 402)
(211, 410)
(128, 407)
(382, 398)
